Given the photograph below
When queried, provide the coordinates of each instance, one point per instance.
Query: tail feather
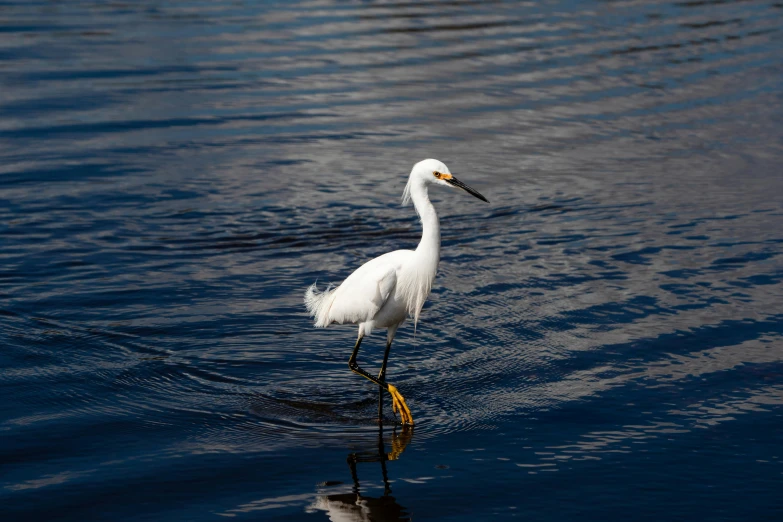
(319, 303)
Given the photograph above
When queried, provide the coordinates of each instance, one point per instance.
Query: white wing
(359, 298)
(364, 293)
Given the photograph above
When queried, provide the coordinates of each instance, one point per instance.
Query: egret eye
(436, 174)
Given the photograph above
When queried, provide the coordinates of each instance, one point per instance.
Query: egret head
(434, 172)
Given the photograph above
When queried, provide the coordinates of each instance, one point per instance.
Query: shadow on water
(358, 506)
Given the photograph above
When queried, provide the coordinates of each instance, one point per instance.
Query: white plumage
(386, 290)
(364, 295)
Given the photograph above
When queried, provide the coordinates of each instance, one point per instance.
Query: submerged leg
(398, 402)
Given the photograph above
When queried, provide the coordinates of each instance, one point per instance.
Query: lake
(604, 340)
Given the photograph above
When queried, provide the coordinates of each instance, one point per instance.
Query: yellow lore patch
(441, 175)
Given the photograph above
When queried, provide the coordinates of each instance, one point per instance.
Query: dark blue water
(604, 341)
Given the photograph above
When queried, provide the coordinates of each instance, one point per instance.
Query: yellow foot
(399, 406)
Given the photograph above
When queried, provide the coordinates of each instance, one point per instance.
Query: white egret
(383, 292)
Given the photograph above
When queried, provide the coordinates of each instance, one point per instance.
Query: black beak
(457, 183)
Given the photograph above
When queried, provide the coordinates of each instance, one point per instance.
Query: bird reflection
(355, 506)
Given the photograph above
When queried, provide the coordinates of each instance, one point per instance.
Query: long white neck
(429, 246)
(420, 273)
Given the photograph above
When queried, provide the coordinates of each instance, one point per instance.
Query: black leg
(380, 406)
(354, 366)
(382, 377)
(398, 402)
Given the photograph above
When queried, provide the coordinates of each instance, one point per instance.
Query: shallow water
(603, 340)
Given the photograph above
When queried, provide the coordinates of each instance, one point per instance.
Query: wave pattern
(173, 177)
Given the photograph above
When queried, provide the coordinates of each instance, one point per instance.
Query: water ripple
(173, 177)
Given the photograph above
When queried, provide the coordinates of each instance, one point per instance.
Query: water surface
(603, 340)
